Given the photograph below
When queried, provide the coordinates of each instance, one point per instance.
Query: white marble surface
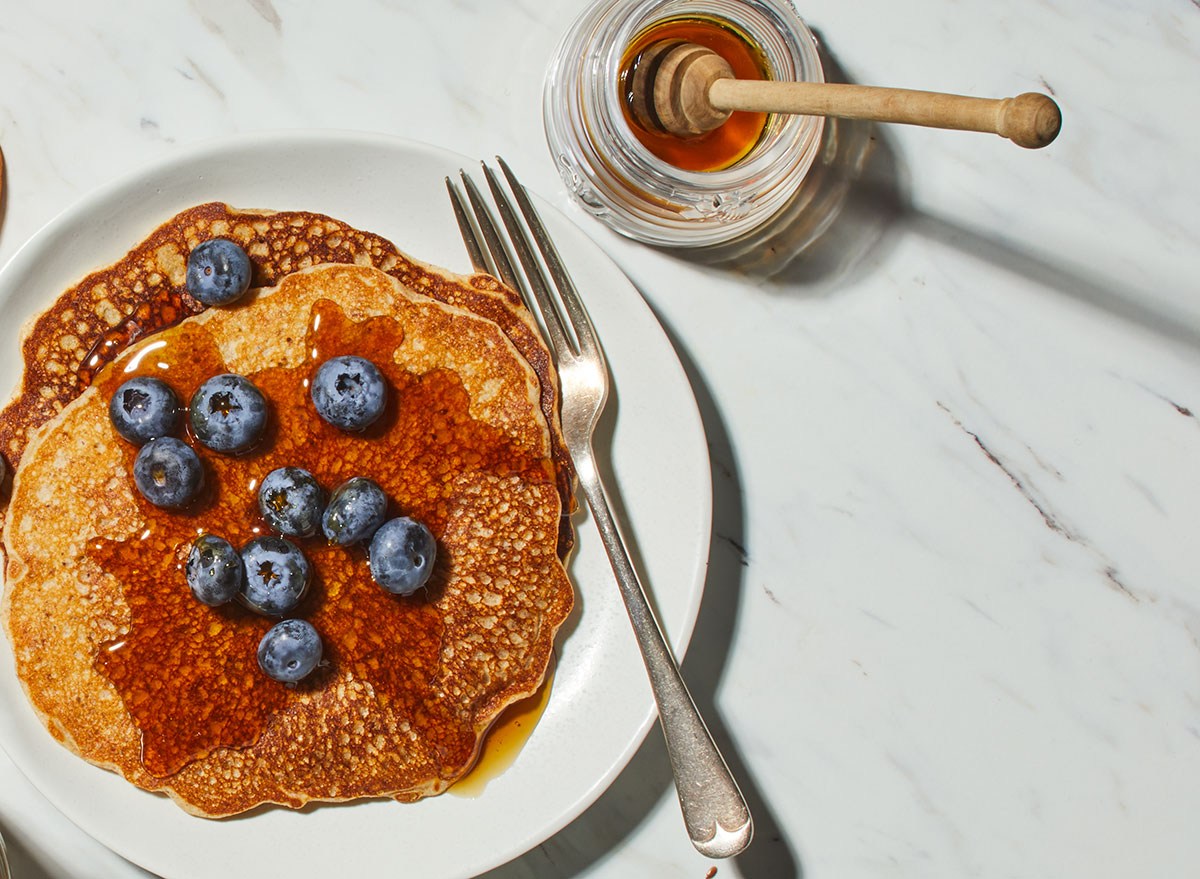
(952, 626)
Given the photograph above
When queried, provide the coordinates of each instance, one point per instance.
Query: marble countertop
(952, 623)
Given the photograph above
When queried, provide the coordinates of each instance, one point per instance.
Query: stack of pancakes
(134, 678)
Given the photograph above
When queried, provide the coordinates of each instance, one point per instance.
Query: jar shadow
(855, 205)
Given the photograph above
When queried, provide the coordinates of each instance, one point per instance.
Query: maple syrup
(163, 308)
(188, 672)
(505, 739)
(736, 137)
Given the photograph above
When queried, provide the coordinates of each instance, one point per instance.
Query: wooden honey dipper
(686, 90)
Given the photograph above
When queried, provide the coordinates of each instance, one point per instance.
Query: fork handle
(714, 810)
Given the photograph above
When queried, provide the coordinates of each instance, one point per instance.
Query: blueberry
(144, 408)
(277, 575)
(356, 509)
(402, 553)
(218, 272)
(289, 651)
(228, 413)
(291, 501)
(167, 472)
(214, 570)
(349, 392)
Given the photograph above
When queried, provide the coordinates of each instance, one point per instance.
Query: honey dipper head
(669, 88)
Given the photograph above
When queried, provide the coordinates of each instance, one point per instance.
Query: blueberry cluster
(227, 414)
(401, 550)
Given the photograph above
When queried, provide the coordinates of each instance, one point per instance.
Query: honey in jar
(730, 142)
(661, 189)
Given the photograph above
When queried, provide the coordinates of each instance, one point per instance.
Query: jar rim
(618, 179)
(648, 14)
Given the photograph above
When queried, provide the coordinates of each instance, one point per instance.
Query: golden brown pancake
(93, 322)
(128, 670)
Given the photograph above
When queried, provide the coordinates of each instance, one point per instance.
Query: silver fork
(714, 811)
(3, 859)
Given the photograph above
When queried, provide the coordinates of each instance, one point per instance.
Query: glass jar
(620, 181)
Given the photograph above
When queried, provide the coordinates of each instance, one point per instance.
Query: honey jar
(697, 193)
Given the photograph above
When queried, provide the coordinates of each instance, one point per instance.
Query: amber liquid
(723, 146)
(187, 672)
(505, 739)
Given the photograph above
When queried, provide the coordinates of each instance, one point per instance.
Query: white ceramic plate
(600, 706)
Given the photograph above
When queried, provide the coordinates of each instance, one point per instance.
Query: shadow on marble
(772, 854)
(839, 224)
(856, 204)
(25, 864)
(866, 187)
(600, 831)
(1123, 302)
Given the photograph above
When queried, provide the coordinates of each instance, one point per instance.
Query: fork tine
(470, 239)
(495, 245)
(559, 338)
(585, 334)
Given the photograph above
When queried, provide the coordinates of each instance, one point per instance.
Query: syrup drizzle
(188, 673)
(505, 739)
(164, 308)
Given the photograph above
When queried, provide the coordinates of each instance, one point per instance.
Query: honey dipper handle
(1030, 120)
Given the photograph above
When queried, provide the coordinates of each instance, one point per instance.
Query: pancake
(90, 324)
(125, 668)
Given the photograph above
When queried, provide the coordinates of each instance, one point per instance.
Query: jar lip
(618, 180)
